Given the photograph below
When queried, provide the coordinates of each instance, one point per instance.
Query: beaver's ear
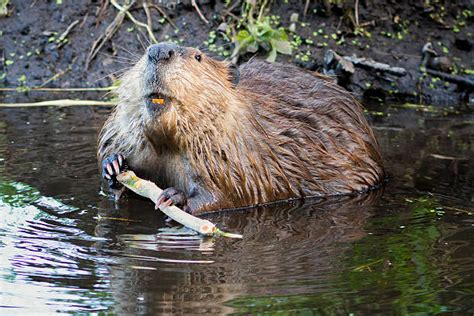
(234, 74)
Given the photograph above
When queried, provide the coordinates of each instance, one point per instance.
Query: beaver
(219, 136)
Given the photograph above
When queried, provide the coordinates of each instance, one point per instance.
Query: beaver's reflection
(287, 248)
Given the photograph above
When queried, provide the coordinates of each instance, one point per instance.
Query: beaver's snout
(158, 58)
(161, 52)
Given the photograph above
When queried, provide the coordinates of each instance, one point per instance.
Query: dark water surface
(408, 249)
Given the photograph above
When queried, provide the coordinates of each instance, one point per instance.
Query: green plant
(260, 33)
(3, 7)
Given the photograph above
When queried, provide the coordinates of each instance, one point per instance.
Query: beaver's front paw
(112, 166)
(172, 196)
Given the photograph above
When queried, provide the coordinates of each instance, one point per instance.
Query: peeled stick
(150, 190)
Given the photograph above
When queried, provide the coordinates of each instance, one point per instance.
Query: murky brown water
(405, 250)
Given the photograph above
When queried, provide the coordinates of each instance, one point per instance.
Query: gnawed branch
(149, 190)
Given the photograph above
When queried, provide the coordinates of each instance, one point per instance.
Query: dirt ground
(34, 54)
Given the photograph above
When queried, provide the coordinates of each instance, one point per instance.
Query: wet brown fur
(281, 133)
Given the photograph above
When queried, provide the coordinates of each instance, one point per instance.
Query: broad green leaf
(272, 56)
(282, 34)
(282, 47)
(242, 35)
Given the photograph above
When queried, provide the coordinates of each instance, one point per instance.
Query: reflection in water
(66, 248)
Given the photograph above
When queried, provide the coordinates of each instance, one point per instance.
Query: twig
(193, 2)
(149, 21)
(100, 14)
(371, 23)
(339, 23)
(59, 103)
(163, 13)
(452, 78)
(369, 63)
(56, 76)
(63, 36)
(107, 35)
(357, 12)
(135, 21)
(228, 11)
(306, 7)
(84, 19)
(92, 89)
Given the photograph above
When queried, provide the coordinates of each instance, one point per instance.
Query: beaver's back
(315, 128)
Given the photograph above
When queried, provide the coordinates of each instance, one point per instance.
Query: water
(65, 248)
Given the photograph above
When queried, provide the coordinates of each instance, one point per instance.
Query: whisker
(107, 94)
(148, 40)
(121, 59)
(129, 52)
(116, 72)
(139, 36)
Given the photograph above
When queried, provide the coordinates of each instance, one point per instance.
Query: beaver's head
(182, 79)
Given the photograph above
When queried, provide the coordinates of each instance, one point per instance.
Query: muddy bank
(54, 53)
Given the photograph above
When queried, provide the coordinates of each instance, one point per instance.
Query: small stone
(222, 27)
(294, 17)
(292, 28)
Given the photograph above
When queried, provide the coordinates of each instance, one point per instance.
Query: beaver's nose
(162, 51)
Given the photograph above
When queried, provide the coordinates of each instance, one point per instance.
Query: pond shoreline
(56, 54)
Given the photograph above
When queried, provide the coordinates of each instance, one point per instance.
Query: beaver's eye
(197, 57)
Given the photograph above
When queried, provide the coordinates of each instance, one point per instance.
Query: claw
(116, 166)
(159, 201)
(109, 169)
(112, 166)
(163, 201)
